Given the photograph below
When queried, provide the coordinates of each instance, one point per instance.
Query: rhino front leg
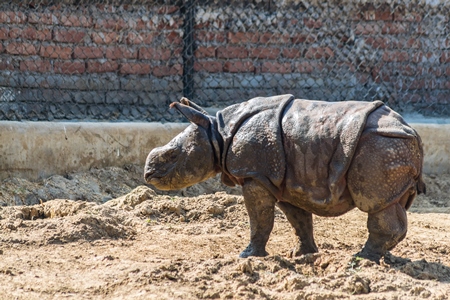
(302, 221)
(386, 229)
(260, 206)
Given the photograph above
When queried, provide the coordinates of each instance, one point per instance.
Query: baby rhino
(306, 157)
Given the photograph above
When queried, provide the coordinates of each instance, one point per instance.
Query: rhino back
(319, 140)
(388, 162)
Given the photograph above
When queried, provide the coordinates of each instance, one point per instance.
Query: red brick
(208, 36)
(30, 33)
(140, 24)
(4, 33)
(6, 64)
(111, 23)
(87, 52)
(365, 28)
(362, 78)
(410, 43)
(264, 53)
(166, 9)
(76, 21)
(106, 8)
(397, 56)
(12, 17)
(140, 38)
(102, 66)
(208, 66)
(393, 28)
(69, 36)
(21, 49)
(407, 17)
(42, 66)
(407, 70)
(69, 67)
(276, 67)
(135, 68)
(378, 42)
(242, 37)
(272, 38)
(231, 52)
(381, 75)
(308, 67)
(154, 53)
(53, 51)
(319, 52)
(378, 15)
(292, 53)
(217, 23)
(303, 38)
(120, 52)
(312, 23)
(238, 66)
(173, 38)
(161, 71)
(371, 12)
(164, 24)
(205, 52)
(105, 38)
(42, 18)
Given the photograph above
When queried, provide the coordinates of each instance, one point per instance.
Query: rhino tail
(421, 186)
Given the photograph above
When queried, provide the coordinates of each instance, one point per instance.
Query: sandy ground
(108, 236)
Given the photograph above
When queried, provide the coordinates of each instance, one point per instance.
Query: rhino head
(189, 157)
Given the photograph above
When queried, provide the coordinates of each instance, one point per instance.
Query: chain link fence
(127, 60)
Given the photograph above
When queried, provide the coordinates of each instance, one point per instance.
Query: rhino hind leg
(382, 180)
(386, 229)
(260, 206)
(302, 222)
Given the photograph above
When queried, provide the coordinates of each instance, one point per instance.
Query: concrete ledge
(35, 150)
(436, 142)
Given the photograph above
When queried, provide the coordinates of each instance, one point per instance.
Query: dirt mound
(96, 185)
(144, 244)
(437, 197)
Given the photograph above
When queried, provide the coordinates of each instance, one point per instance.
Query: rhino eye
(171, 154)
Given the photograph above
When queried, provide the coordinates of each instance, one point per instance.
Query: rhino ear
(188, 102)
(192, 114)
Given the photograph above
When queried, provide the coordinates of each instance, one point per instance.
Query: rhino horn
(188, 102)
(192, 114)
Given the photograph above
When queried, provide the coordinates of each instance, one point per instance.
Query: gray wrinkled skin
(307, 157)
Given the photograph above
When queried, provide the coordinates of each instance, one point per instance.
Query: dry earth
(108, 236)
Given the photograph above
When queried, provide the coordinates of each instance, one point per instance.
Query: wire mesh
(127, 60)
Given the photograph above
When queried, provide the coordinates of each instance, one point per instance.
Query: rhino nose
(148, 174)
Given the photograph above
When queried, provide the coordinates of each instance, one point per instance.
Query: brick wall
(93, 61)
(398, 53)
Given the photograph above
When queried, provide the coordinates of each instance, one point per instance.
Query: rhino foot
(369, 255)
(253, 251)
(302, 250)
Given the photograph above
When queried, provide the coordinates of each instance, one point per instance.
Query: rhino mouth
(152, 176)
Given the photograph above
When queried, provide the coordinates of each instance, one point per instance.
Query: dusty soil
(104, 235)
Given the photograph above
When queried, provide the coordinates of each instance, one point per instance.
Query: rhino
(305, 157)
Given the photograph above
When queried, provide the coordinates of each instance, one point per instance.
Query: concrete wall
(436, 141)
(36, 150)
